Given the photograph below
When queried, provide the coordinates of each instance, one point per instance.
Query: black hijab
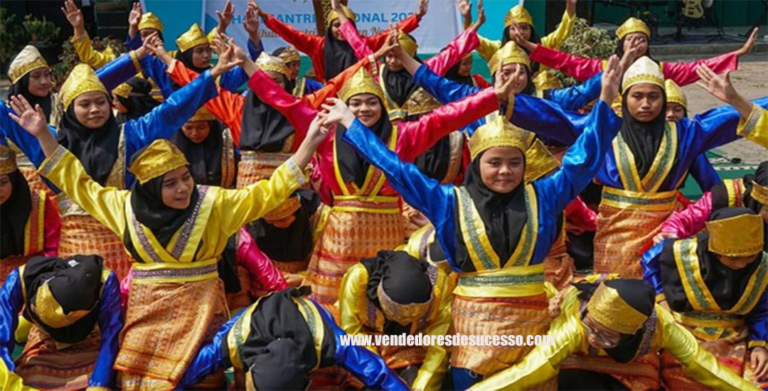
(139, 102)
(504, 216)
(399, 85)
(643, 138)
(186, 59)
(14, 213)
(264, 129)
(435, 161)
(338, 55)
(97, 149)
(453, 75)
(353, 166)
(761, 178)
(640, 296)
(204, 158)
(75, 283)
(21, 87)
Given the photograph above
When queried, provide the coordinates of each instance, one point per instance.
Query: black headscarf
(292, 243)
(95, 148)
(726, 285)
(504, 215)
(21, 87)
(139, 102)
(353, 166)
(75, 283)
(640, 296)
(453, 75)
(290, 83)
(404, 279)
(643, 138)
(338, 55)
(534, 39)
(399, 85)
(186, 59)
(264, 129)
(204, 158)
(435, 161)
(14, 213)
(280, 350)
(761, 178)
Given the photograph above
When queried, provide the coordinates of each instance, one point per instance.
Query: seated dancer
(133, 99)
(280, 340)
(331, 54)
(495, 229)
(393, 294)
(177, 231)
(74, 306)
(601, 330)
(29, 221)
(715, 285)
(292, 59)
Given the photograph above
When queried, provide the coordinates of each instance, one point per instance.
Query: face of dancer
(144, 33)
(197, 131)
(118, 106)
(599, 336)
(6, 188)
(40, 82)
(335, 25)
(518, 74)
(638, 40)
(293, 66)
(465, 67)
(367, 108)
(393, 63)
(92, 109)
(675, 112)
(644, 101)
(277, 78)
(177, 188)
(502, 169)
(201, 56)
(524, 28)
(737, 263)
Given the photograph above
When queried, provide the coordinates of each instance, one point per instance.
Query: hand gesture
(318, 129)
(423, 8)
(611, 80)
(225, 16)
(391, 43)
(135, 16)
(719, 86)
(227, 58)
(629, 57)
(224, 40)
(480, 16)
(33, 120)
(251, 24)
(747, 45)
(465, 8)
(253, 4)
(336, 111)
(336, 5)
(504, 87)
(74, 16)
(522, 42)
(758, 358)
(154, 45)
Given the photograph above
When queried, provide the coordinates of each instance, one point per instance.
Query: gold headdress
(193, 37)
(403, 314)
(49, 310)
(360, 83)
(675, 94)
(333, 15)
(759, 193)
(518, 14)
(123, 90)
(202, 115)
(265, 62)
(509, 54)
(82, 79)
(633, 25)
(737, 236)
(608, 308)
(408, 44)
(546, 81)
(289, 54)
(644, 70)
(26, 61)
(159, 158)
(497, 133)
(150, 21)
(285, 210)
(7, 160)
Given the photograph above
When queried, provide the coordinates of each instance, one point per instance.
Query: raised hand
(74, 17)
(390, 44)
(251, 24)
(336, 5)
(504, 86)
(480, 16)
(570, 7)
(718, 86)
(135, 16)
(318, 129)
(337, 112)
(465, 8)
(522, 42)
(225, 16)
(238, 52)
(611, 80)
(253, 4)
(153, 44)
(33, 120)
(747, 45)
(227, 58)
(629, 57)
(423, 8)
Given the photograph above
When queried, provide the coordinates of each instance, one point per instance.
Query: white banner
(441, 24)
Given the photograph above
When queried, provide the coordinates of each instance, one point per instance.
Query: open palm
(33, 120)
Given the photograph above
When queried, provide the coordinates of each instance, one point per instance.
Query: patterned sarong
(255, 166)
(81, 234)
(641, 374)
(558, 265)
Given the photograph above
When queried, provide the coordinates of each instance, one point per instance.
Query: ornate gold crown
(7, 160)
(285, 210)
(290, 54)
(150, 21)
(408, 44)
(123, 90)
(49, 310)
(421, 102)
(675, 94)
(159, 158)
(633, 25)
(509, 54)
(82, 79)
(497, 133)
(538, 160)
(737, 236)
(360, 83)
(265, 62)
(759, 193)
(643, 70)
(202, 115)
(608, 308)
(193, 37)
(26, 61)
(517, 14)
(404, 314)
(333, 15)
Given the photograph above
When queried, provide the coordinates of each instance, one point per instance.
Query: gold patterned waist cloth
(518, 281)
(710, 325)
(179, 273)
(378, 204)
(269, 159)
(627, 199)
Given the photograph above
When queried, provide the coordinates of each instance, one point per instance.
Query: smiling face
(599, 336)
(366, 107)
(502, 169)
(177, 188)
(6, 188)
(196, 131)
(645, 101)
(40, 82)
(518, 74)
(92, 109)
